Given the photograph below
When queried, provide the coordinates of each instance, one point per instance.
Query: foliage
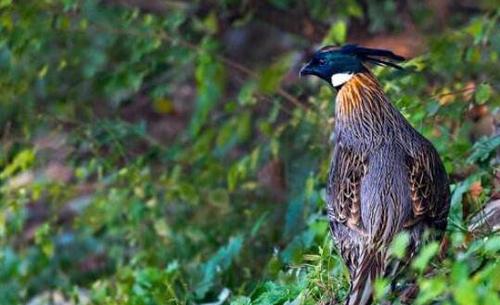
(143, 161)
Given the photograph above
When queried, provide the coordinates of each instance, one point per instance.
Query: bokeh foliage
(168, 154)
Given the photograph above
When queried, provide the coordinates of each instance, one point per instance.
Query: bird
(385, 177)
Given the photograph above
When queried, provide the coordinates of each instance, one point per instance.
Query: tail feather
(371, 265)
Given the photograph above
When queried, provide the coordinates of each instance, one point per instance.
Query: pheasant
(384, 178)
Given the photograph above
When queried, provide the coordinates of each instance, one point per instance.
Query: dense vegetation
(166, 152)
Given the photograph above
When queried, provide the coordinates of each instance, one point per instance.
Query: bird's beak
(307, 70)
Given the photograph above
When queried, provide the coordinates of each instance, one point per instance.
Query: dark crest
(378, 57)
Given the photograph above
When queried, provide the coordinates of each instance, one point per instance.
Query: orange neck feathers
(357, 94)
(362, 107)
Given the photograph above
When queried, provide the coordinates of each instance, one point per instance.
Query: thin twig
(455, 92)
(237, 66)
(226, 61)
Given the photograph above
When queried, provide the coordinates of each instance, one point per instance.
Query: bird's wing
(428, 186)
(344, 187)
(420, 186)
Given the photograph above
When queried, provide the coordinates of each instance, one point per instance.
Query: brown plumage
(385, 177)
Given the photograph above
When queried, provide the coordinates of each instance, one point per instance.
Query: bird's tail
(371, 265)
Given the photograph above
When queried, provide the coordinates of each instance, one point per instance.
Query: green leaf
(274, 293)
(483, 148)
(425, 256)
(483, 93)
(270, 78)
(43, 239)
(210, 83)
(381, 288)
(5, 3)
(491, 297)
(354, 9)
(241, 300)
(22, 161)
(465, 293)
(336, 34)
(459, 272)
(492, 245)
(258, 224)
(218, 263)
(43, 71)
(458, 190)
(430, 289)
(399, 245)
(232, 177)
(210, 23)
(246, 95)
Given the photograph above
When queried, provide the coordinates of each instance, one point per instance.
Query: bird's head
(339, 65)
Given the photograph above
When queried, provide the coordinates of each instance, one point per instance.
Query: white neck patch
(340, 78)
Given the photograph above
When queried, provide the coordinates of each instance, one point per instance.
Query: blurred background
(166, 152)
